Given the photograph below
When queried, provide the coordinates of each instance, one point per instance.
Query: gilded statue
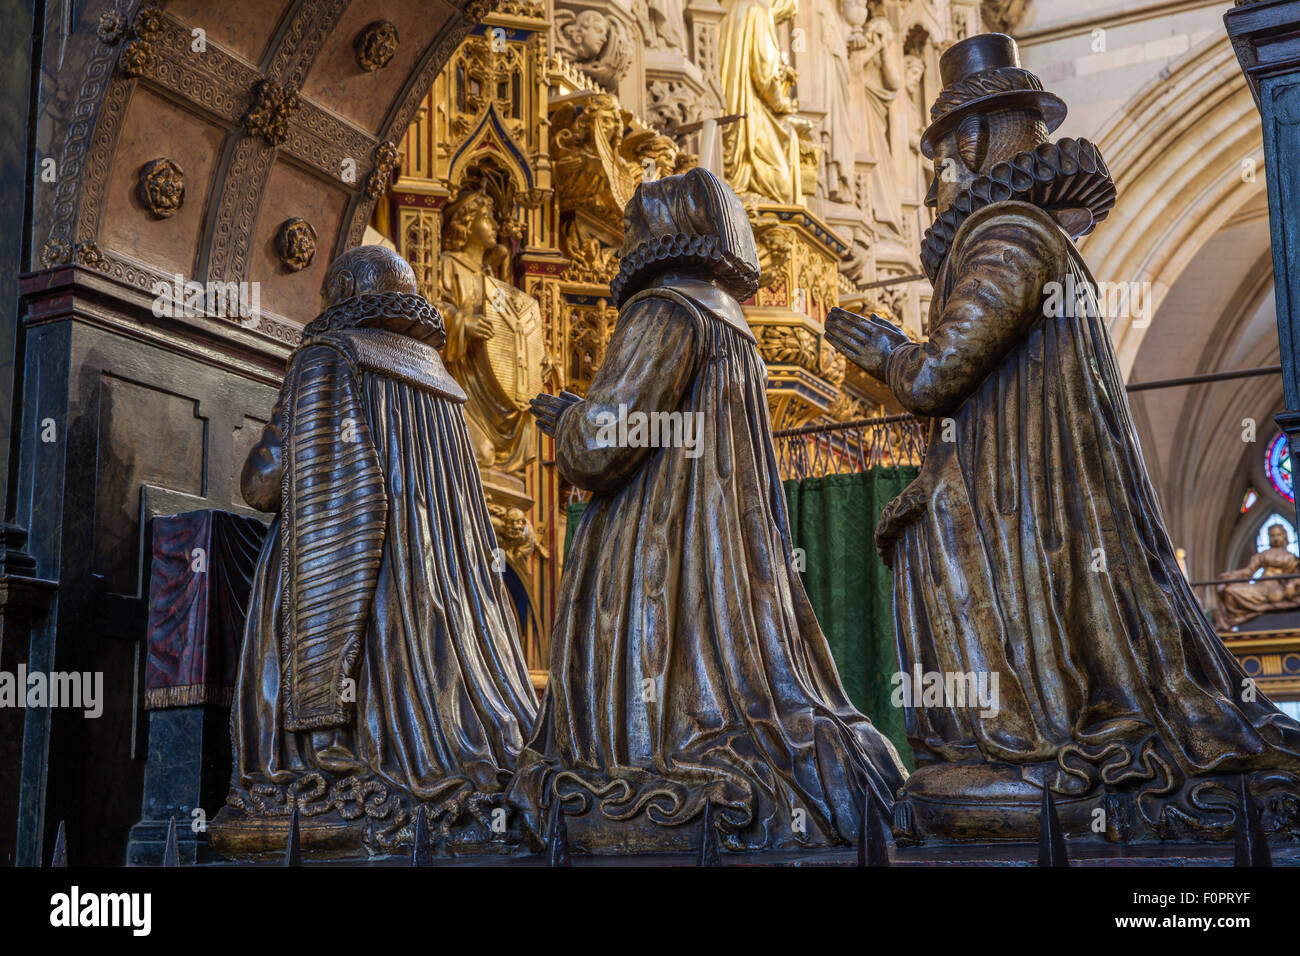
(1029, 558)
(687, 668)
(381, 668)
(495, 341)
(761, 150)
(1247, 597)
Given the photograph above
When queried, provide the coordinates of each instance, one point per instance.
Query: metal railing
(845, 447)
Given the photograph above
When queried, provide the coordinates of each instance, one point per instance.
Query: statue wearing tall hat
(1030, 551)
(687, 669)
(381, 669)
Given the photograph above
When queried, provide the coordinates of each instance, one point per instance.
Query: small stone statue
(687, 668)
(1029, 555)
(1245, 599)
(381, 666)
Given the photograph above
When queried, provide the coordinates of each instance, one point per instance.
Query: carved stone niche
(296, 243)
(677, 92)
(799, 254)
(375, 45)
(162, 187)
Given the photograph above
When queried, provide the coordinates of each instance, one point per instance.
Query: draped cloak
(377, 574)
(686, 663)
(1032, 546)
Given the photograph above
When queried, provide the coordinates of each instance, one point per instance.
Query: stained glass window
(1277, 462)
(1248, 499)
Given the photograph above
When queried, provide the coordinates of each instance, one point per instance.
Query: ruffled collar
(1067, 178)
(401, 312)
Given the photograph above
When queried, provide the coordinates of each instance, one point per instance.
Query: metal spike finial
(1251, 843)
(171, 852)
(60, 857)
(710, 854)
(1051, 839)
(293, 850)
(873, 837)
(557, 837)
(420, 853)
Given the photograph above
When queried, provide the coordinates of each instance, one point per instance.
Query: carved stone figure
(876, 63)
(495, 343)
(686, 663)
(840, 126)
(663, 22)
(1246, 599)
(597, 43)
(381, 666)
(761, 152)
(1029, 558)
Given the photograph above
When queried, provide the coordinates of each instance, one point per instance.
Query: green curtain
(834, 520)
(574, 512)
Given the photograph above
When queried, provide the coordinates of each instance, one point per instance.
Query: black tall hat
(983, 73)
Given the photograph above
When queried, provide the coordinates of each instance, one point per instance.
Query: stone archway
(1177, 151)
(269, 111)
(1187, 155)
(168, 141)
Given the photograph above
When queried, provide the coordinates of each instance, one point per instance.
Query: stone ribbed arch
(1177, 151)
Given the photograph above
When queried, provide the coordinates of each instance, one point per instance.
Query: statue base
(960, 802)
(243, 837)
(240, 836)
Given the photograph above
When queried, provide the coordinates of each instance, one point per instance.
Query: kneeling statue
(1030, 549)
(381, 668)
(689, 681)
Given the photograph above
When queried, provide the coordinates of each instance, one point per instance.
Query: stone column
(1266, 38)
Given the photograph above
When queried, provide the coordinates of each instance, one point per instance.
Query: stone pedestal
(203, 563)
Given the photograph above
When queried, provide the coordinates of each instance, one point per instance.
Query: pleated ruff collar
(1068, 179)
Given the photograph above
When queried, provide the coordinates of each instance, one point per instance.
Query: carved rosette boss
(162, 187)
(273, 107)
(375, 45)
(296, 243)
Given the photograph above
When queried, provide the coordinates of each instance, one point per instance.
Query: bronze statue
(381, 667)
(1030, 552)
(687, 668)
(1245, 599)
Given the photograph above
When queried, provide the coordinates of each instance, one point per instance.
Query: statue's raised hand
(547, 409)
(867, 341)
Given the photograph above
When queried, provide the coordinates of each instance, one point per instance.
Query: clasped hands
(866, 340)
(547, 409)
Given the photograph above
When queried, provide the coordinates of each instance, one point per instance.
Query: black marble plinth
(188, 769)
